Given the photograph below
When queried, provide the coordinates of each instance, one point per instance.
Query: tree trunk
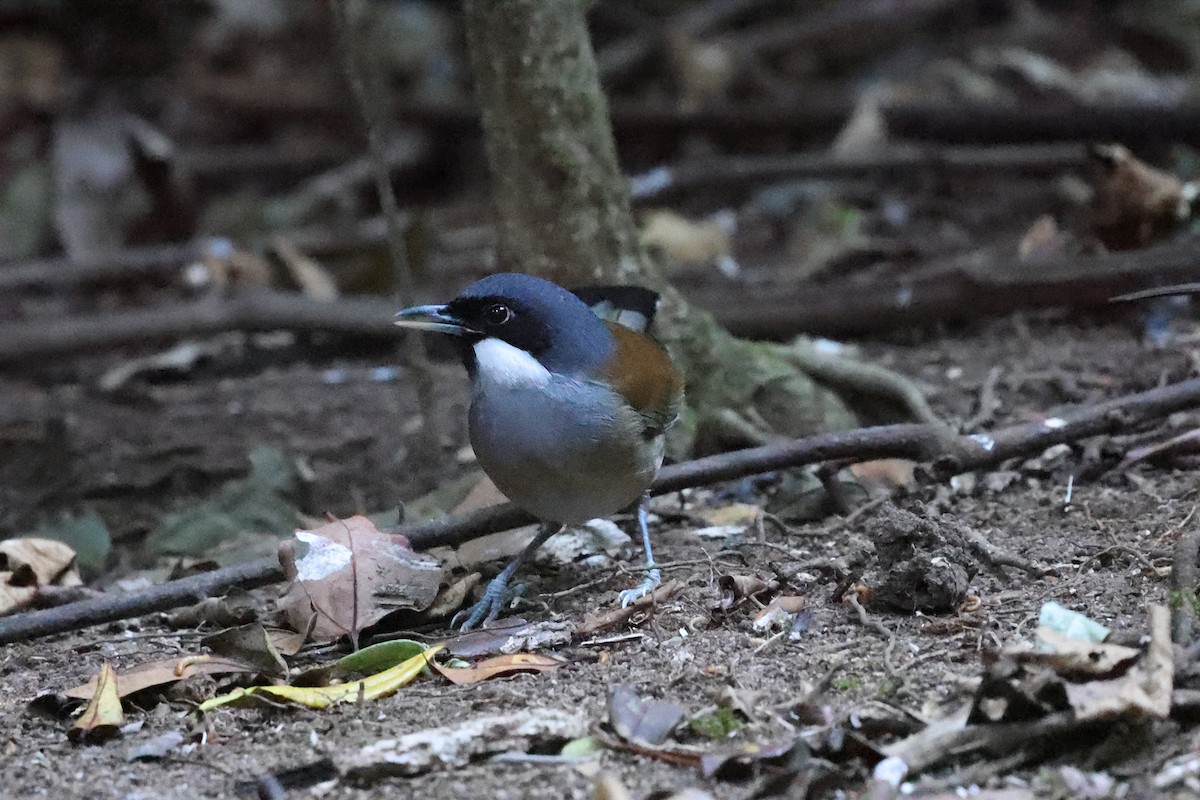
(562, 202)
(563, 212)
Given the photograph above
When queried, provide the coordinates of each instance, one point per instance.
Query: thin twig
(864, 619)
(372, 105)
(989, 403)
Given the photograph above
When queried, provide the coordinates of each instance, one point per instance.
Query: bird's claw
(649, 584)
(487, 609)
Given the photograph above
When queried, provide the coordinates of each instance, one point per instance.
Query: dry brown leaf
(250, 644)
(499, 667)
(636, 719)
(351, 576)
(1043, 243)
(865, 132)
(160, 673)
(1135, 204)
(14, 598)
(1142, 692)
(103, 717)
(1069, 656)
(735, 588)
(29, 564)
(778, 612)
(451, 598)
(704, 70)
(884, 474)
(311, 277)
(39, 562)
(687, 242)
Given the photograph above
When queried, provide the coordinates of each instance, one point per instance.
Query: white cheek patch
(502, 364)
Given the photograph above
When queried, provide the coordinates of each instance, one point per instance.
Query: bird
(569, 411)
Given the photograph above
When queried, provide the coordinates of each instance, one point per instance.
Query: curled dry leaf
(778, 614)
(1135, 204)
(103, 717)
(312, 278)
(499, 667)
(250, 644)
(29, 565)
(350, 575)
(736, 588)
(1078, 657)
(451, 598)
(883, 475)
(689, 243)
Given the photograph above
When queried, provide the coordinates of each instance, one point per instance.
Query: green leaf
(88, 536)
(259, 503)
(377, 657)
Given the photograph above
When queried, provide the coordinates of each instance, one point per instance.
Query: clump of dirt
(922, 564)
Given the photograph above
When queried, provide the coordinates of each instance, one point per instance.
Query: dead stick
(108, 608)
(619, 616)
(957, 290)
(254, 310)
(735, 172)
(947, 453)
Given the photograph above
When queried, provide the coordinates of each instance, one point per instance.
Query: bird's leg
(488, 607)
(653, 576)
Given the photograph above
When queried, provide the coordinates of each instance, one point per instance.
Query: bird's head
(519, 328)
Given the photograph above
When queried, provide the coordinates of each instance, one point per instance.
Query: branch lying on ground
(171, 594)
(959, 291)
(714, 172)
(247, 310)
(947, 454)
(1049, 120)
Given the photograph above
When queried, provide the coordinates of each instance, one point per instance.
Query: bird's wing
(630, 306)
(646, 379)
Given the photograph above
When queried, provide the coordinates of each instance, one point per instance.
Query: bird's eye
(497, 314)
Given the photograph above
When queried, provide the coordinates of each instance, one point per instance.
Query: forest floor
(1099, 548)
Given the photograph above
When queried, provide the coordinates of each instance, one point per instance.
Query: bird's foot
(495, 597)
(649, 584)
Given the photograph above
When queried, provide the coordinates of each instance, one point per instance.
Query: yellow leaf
(103, 717)
(381, 684)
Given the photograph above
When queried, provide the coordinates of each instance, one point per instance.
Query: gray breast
(531, 442)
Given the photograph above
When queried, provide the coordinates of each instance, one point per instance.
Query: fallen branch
(957, 291)
(734, 172)
(248, 310)
(108, 608)
(946, 454)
